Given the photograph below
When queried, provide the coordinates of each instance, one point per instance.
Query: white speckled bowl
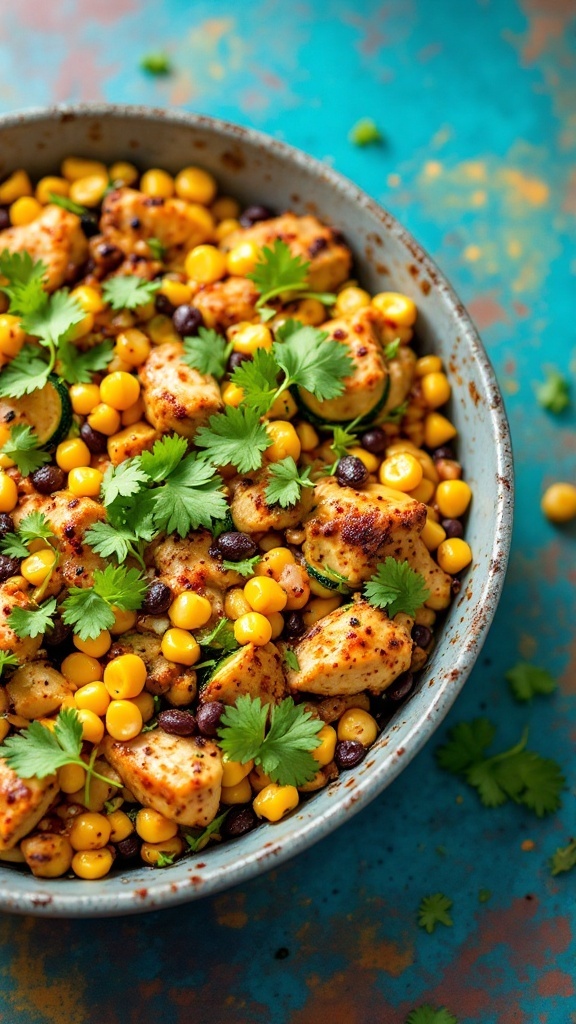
(259, 169)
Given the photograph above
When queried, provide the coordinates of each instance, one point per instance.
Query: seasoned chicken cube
(252, 514)
(162, 674)
(352, 649)
(131, 441)
(70, 517)
(23, 802)
(37, 689)
(129, 217)
(185, 564)
(257, 671)
(365, 386)
(178, 776)
(176, 397)
(349, 531)
(56, 238)
(330, 260)
(25, 648)
(226, 302)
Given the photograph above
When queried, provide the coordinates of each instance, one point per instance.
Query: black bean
(453, 528)
(293, 625)
(96, 442)
(421, 635)
(108, 257)
(456, 585)
(316, 246)
(8, 567)
(351, 472)
(89, 225)
(374, 440)
(236, 360)
(128, 848)
(177, 722)
(157, 599)
(236, 546)
(163, 305)
(6, 524)
(48, 479)
(187, 320)
(4, 218)
(208, 717)
(58, 634)
(252, 214)
(401, 688)
(135, 223)
(238, 821)
(349, 753)
(445, 452)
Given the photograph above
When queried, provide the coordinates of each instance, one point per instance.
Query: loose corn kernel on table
(473, 103)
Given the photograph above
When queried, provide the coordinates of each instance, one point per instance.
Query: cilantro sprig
(554, 393)
(427, 1014)
(23, 447)
(564, 858)
(278, 271)
(234, 436)
(34, 620)
(246, 567)
(7, 660)
(527, 680)
(207, 352)
(128, 291)
(89, 610)
(283, 749)
(286, 483)
(433, 910)
(396, 587)
(199, 841)
(34, 526)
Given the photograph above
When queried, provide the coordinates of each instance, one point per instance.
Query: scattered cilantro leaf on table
(528, 680)
(207, 352)
(365, 133)
(235, 436)
(156, 64)
(286, 483)
(89, 609)
(32, 621)
(564, 859)
(433, 910)
(554, 393)
(7, 660)
(396, 587)
(128, 291)
(23, 447)
(427, 1014)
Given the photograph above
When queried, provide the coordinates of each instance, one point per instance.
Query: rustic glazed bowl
(258, 169)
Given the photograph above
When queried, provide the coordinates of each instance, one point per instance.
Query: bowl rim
(165, 891)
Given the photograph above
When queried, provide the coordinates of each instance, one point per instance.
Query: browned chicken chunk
(226, 302)
(56, 238)
(252, 514)
(257, 671)
(176, 397)
(22, 803)
(129, 217)
(70, 517)
(12, 597)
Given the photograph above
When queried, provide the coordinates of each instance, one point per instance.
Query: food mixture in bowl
(230, 514)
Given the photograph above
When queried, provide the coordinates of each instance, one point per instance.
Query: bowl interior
(257, 169)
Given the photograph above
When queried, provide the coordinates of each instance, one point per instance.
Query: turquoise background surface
(476, 104)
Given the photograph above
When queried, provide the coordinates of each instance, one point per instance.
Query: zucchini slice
(339, 586)
(48, 411)
(325, 424)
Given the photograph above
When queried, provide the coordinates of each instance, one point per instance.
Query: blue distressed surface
(474, 103)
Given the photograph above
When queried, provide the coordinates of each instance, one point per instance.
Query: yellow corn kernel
(190, 611)
(145, 704)
(157, 183)
(179, 646)
(274, 801)
(195, 185)
(161, 329)
(104, 419)
(120, 826)
(318, 607)
(357, 724)
(120, 390)
(24, 210)
(85, 482)
(350, 300)
(68, 702)
(133, 414)
(117, 365)
(88, 191)
(205, 264)
(177, 292)
(436, 389)
(235, 603)
(277, 623)
(125, 676)
(453, 555)
(73, 454)
(50, 186)
(401, 471)
(150, 852)
(259, 779)
(250, 337)
(232, 395)
(153, 827)
(92, 727)
(428, 364)
(265, 595)
(133, 346)
(12, 337)
(123, 621)
(433, 534)
(453, 498)
(324, 753)
(71, 778)
(96, 647)
(273, 562)
(283, 408)
(270, 540)
(92, 864)
(225, 227)
(145, 312)
(253, 628)
(308, 437)
(81, 668)
(202, 222)
(74, 167)
(123, 173)
(123, 720)
(84, 398)
(225, 208)
(559, 502)
(437, 430)
(234, 771)
(285, 441)
(424, 492)
(94, 697)
(242, 259)
(399, 310)
(16, 185)
(239, 794)
(310, 312)
(38, 566)
(366, 458)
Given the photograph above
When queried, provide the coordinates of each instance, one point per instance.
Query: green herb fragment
(68, 204)
(23, 447)
(198, 842)
(89, 610)
(484, 895)
(391, 350)
(396, 587)
(53, 320)
(165, 457)
(528, 680)
(427, 1014)
(554, 393)
(246, 567)
(25, 288)
(128, 291)
(27, 372)
(291, 660)
(433, 910)
(258, 379)
(34, 526)
(235, 436)
(78, 367)
(122, 481)
(397, 414)
(33, 622)
(156, 64)
(312, 362)
(207, 352)
(365, 133)
(222, 636)
(7, 660)
(278, 271)
(157, 248)
(564, 859)
(115, 542)
(191, 497)
(164, 859)
(286, 483)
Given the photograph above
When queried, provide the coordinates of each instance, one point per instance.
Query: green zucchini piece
(48, 411)
(324, 424)
(338, 585)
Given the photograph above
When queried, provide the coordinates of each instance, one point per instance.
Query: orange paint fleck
(485, 310)
(36, 994)
(527, 845)
(383, 954)
(230, 911)
(556, 983)
(547, 20)
(472, 253)
(432, 169)
(531, 190)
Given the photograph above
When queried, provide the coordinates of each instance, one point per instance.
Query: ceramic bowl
(258, 169)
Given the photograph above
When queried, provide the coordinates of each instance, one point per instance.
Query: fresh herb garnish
(207, 352)
(286, 483)
(427, 1014)
(564, 859)
(198, 842)
(89, 609)
(164, 859)
(391, 350)
(156, 64)
(554, 393)
(397, 414)
(33, 621)
(246, 567)
(157, 248)
(527, 680)
(278, 271)
(78, 367)
(433, 910)
(127, 291)
(291, 660)
(34, 526)
(26, 373)
(26, 278)
(365, 133)
(396, 587)
(258, 379)
(311, 361)
(68, 204)
(7, 660)
(235, 436)
(222, 636)
(23, 447)
(343, 438)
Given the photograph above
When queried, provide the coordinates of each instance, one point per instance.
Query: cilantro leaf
(127, 291)
(527, 680)
(33, 622)
(77, 367)
(466, 745)
(554, 393)
(207, 352)
(156, 64)
(246, 567)
(23, 447)
(191, 497)
(235, 436)
(34, 526)
(89, 610)
(365, 132)
(291, 660)
(242, 728)
(391, 350)
(26, 373)
(564, 859)
(52, 321)
(68, 204)
(277, 271)
(122, 481)
(13, 546)
(343, 438)
(164, 859)
(110, 541)
(312, 362)
(396, 587)
(286, 483)
(197, 843)
(427, 1014)
(165, 456)
(258, 379)
(25, 288)
(157, 248)
(7, 660)
(433, 910)
(221, 636)
(397, 414)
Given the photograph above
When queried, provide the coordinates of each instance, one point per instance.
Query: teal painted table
(476, 102)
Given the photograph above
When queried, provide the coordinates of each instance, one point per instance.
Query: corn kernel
(424, 492)
(179, 646)
(145, 704)
(133, 414)
(242, 259)
(81, 668)
(104, 419)
(318, 607)
(120, 390)
(195, 185)
(94, 697)
(92, 727)
(453, 498)
(89, 190)
(258, 779)
(85, 482)
(253, 628)
(74, 167)
(273, 562)
(161, 329)
(350, 300)
(17, 184)
(201, 223)
(277, 623)
(205, 264)
(265, 595)
(120, 826)
(225, 208)
(454, 555)
(125, 676)
(47, 855)
(234, 771)
(433, 534)
(24, 210)
(153, 827)
(4, 729)
(157, 183)
(285, 441)
(436, 389)
(308, 437)
(92, 864)
(37, 567)
(235, 603)
(401, 471)
(71, 778)
(437, 430)
(283, 408)
(250, 337)
(324, 753)
(559, 502)
(232, 395)
(366, 458)
(95, 647)
(224, 228)
(12, 337)
(123, 720)
(150, 852)
(50, 186)
(123, 173)
(270, 540)
(177, 292)
(428, 364)
(239, 794)
(84, 398)
(274, 801)
(190, 611)
(357, 724)
(399, 310)
(133, 346)
(73, 454)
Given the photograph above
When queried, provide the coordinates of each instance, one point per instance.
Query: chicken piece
(180, 777)
(162, 674)
(70, 517)
(366, 385)
(252, 514)
(402, 372)
(352, 649)
(56, 238)
(176, 397)
(131, 441)
(37, 689)
(350, 531)
(227, 302)
(129, 217)
(187, 565)
(413, 550)
(330, 260)
(257, 671)
(23, 802)
(25, 648)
